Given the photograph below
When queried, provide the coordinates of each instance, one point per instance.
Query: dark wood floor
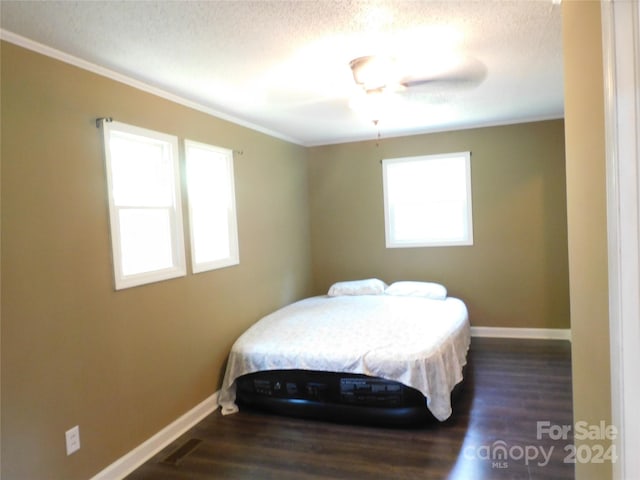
(511, 385)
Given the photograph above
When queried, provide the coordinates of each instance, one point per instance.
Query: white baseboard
(143, 452)
(540, 333)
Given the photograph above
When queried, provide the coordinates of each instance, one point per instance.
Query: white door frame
(621, 61)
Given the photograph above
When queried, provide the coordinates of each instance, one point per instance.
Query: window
(212, 209)
(427, 200)
(144, 204)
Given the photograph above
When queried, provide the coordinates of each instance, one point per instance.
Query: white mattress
(416, 341)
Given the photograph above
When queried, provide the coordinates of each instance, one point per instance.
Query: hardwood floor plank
(510, 386)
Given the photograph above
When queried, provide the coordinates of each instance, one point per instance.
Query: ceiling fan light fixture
(374, 72)
(375, 105)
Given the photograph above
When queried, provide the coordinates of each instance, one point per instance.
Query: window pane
(210, 234)
(145, 236)
(207, 178)
(435, 222)
(142, 172)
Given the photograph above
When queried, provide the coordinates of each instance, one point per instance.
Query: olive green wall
(515, 274)
(587, 221)
(121, 365)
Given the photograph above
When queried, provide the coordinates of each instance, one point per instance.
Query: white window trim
(234, 256)
(178, 269)
(389, 239)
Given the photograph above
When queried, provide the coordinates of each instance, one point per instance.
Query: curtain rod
(99, 121)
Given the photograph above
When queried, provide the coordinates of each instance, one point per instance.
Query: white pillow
(435, 291)
(370, 286)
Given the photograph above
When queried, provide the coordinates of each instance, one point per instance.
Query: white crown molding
(427, 131)
(45, 50)
(132, 82)
(537, 333)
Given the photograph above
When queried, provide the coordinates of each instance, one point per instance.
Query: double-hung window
(144, 204)
(427, 200)
(212, 209)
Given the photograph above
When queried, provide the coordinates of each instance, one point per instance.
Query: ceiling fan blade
(443, 82)
(468, 74)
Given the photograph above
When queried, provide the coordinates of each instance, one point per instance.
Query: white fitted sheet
(416, 341)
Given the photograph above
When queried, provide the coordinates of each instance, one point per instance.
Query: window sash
(155, 156)
(212, 207)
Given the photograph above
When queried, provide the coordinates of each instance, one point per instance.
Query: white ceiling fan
(388, 82)
(383, 72)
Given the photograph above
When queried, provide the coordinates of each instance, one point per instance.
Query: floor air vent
(176, 457)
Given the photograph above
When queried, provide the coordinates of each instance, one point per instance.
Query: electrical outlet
(73, 439)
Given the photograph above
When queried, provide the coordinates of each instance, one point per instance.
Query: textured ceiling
(283, 66)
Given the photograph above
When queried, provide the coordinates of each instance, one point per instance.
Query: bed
(363, 352)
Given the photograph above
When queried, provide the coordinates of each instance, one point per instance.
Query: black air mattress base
(340, 397)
